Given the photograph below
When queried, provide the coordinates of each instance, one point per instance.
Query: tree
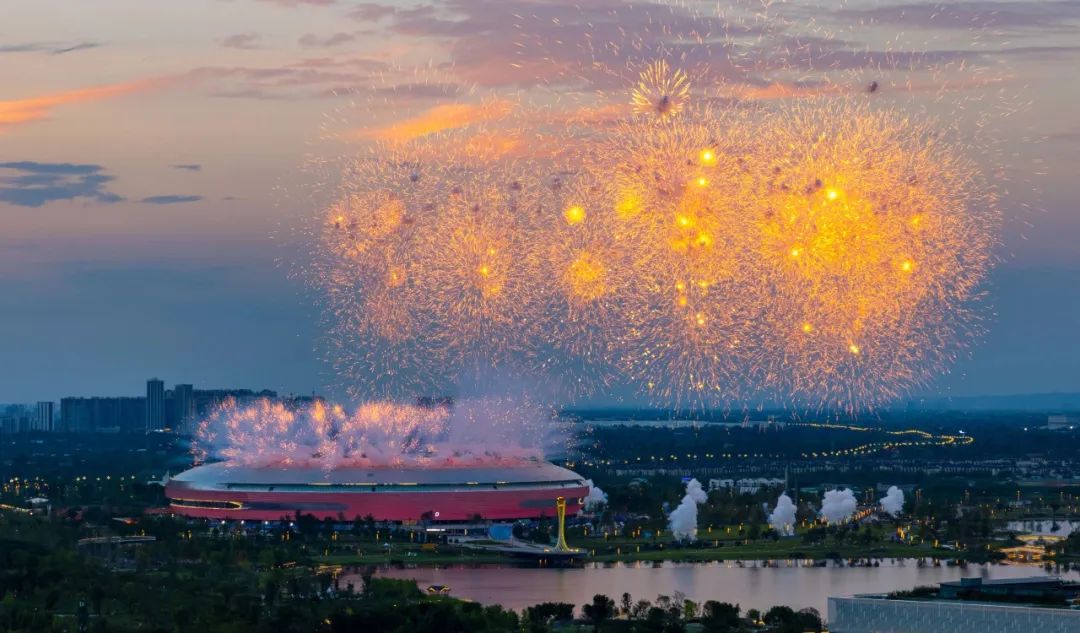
(545, 612)
(720, 617)
(786, 620)
(809, 620)
(654, 621)
(689, 609)
(627, 604)
(640, 609)
(662, 620)
(600, 610)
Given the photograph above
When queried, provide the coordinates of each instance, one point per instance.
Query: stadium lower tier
(441, 494)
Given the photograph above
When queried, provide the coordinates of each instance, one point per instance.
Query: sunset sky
(153, 157)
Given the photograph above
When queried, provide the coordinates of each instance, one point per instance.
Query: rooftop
(1004, 582)
(226, 473)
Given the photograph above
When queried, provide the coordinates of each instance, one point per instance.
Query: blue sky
(152, 162)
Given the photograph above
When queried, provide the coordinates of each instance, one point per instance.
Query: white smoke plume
(596, 497)
(838, 505)
(696, 492)
(683, 520)
(487, 431)
(782, 518)
(893, 501)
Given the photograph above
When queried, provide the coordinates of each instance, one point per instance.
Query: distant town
(159, 410)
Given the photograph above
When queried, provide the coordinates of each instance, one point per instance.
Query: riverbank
(593, 552)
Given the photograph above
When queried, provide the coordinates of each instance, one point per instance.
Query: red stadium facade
(444, 494)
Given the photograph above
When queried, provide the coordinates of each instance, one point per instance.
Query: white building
(745, 486)
(721, 484)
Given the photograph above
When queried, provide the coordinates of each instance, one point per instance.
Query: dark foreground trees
(600, 610)
(217, 583)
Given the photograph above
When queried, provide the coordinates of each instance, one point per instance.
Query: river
(752, 586)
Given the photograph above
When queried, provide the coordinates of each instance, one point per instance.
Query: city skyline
(151, 180)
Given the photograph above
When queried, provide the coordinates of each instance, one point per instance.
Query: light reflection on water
(751, 586)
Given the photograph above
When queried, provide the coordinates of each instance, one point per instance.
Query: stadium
(523, 490)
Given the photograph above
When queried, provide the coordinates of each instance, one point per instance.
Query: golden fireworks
(660, 93)
(821, 251)
(875, 235)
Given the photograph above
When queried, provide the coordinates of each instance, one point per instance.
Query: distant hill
(1048, 402)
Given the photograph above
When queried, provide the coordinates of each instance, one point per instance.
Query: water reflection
(751, 584)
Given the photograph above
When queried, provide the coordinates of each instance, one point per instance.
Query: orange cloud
(19, 111)
(439, 118)
(788, 91)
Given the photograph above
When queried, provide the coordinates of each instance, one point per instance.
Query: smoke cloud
(782, 518)
(893, 502)
(596, 497)
(683, 520)
(486, 431)
(838, 505)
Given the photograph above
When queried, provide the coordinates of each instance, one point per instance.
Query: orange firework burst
(875, 232)
(581, 269)
(817, 250)
(474, 278)
(660, 93)
(423, 262)
(672, 193)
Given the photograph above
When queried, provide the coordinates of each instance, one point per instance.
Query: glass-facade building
(882, 615)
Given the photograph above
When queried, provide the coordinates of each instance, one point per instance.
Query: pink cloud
(299, 3)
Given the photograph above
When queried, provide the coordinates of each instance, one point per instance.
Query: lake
(750, 586)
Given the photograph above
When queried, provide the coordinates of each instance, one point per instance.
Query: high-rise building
(183, 406)
(16, 418)
(44, 419)
(75, 415)
(161, 409)
(103, 415)
(155, 405)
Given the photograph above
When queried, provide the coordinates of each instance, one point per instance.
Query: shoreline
(748, 553)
